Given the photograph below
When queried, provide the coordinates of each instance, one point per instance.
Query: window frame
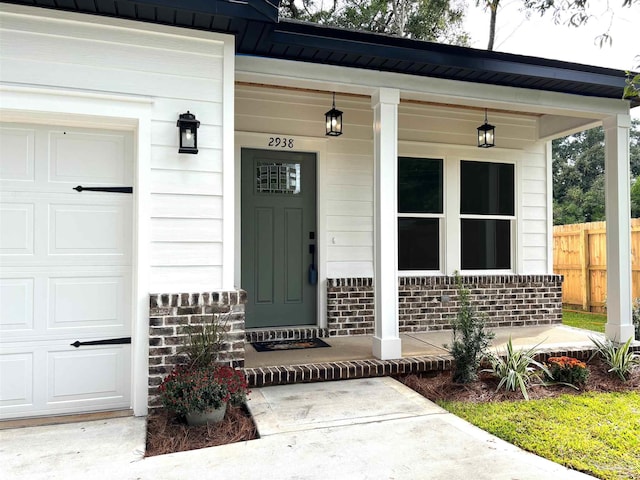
(440, 216)
(513, 219)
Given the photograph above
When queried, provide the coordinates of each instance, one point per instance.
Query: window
(420, 212)
(278, 178)
(487, 211)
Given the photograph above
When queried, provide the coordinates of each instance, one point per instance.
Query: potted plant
(201, 394)
(200, 389)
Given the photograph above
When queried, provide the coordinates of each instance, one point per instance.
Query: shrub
(567, 370)
(199, 390)
(470, 339)
(516, 369)
(619, 357)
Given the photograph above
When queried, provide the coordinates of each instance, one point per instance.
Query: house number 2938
(281, 142)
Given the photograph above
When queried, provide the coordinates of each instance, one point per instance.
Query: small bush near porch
(596, 433)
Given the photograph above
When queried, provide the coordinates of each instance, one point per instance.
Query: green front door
(278, 237)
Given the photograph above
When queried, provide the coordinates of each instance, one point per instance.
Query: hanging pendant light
(486, 134)
(334, 120)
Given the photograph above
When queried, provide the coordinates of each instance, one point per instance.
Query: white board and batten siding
(121, 73)
(424, 131)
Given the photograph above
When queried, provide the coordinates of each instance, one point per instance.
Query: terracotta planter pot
(212, 416)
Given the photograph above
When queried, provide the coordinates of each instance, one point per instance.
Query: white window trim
(450, 246)
(513, 219)
(442, 224)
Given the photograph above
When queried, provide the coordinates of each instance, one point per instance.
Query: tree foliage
(435, 20)
(578, 176)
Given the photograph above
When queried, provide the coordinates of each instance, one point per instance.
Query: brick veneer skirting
(350, 306)
(430, 303)
(167, 317)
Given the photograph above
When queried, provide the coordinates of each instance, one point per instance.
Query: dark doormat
(277, 345)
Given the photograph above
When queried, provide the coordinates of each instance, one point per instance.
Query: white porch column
(619, 326)
(386, 341)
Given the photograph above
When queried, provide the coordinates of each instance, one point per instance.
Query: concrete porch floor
(351, 357)
(421, 345)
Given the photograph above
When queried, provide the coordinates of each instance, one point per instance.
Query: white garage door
(65, 275)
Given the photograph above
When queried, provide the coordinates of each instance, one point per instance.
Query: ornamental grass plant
(201, 384)
(517, 369)
(620, 358)
(203, 342)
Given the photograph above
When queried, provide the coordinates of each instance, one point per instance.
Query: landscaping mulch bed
(168, 434)
(440, 387)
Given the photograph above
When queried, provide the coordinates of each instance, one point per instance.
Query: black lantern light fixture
(188, 126)
(334, 120)
(486, 134)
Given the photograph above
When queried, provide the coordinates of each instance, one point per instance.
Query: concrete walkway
(355, 429)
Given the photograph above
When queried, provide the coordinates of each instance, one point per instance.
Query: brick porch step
(326, 371)
(345, 370)
(292, 333)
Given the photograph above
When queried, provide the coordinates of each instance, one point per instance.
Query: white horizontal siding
(178, 71)
(534, 210)
(434, 124)
(163, 158)
(193, 282)
(186, 230)
(175, 254)
(186, 206)
(348, 172)
(348, 182)
(186, 182)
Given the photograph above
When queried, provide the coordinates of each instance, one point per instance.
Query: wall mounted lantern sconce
(334, 120)
(188, 125)
(486, 134)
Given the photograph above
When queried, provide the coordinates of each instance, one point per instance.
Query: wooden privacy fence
(580, 254)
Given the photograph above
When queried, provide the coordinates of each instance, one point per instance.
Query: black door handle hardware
(80, 188)
(108, 341)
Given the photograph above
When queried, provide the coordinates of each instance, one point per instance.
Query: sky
(540, 37)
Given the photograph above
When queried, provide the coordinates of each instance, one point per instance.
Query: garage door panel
(38, 229)
(16, 228)
(87, 230)
(65, 271)
(87, 374)
(41, 378)
(17, 304)
(77, 156)
(87, 303)
(17, 151)
(16, 387)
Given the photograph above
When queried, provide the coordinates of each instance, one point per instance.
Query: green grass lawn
(588, 321)
(596, 433)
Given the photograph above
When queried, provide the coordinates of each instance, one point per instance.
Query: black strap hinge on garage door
(108, 341)
(80, 188)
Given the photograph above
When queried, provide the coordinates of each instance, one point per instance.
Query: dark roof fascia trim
(446, 55)
(262, 10)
